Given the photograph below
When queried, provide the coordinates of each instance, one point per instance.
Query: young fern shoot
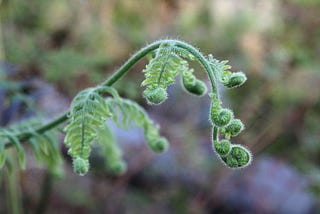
(90, 109)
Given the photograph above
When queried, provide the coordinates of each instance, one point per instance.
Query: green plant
(91, 107)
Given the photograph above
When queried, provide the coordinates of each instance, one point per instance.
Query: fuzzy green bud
(221, 117)
(236, 79)
(80, 166)
(234, 128)
(197, 87)
(222, 147)
(159, 145)
(155, 96)
(238, 157)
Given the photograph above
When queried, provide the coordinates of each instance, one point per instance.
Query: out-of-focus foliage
(73, 44)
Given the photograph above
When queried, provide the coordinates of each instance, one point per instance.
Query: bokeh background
(49, 50)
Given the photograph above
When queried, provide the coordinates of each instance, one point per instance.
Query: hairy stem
(123, 70)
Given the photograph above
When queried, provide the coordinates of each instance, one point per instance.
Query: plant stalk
(123, 70)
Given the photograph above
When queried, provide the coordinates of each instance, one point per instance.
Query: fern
(162, 70)
(224, 75)
(88, 113)
(126, 113)
(45, 146)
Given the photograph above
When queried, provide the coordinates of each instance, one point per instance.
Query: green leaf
(162, 69)
(88, 113)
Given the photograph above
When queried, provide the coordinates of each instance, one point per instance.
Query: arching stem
(123, 70)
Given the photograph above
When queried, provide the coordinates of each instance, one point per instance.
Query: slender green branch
(123, 70)
(215, 134)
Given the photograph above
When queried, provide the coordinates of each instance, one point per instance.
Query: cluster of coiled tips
(222, 119)
(224, 123)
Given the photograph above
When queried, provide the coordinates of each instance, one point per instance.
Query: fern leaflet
(224, 75)
(161, 71)
(88, 113)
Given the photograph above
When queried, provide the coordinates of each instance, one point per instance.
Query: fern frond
(45, 146)
(127, 113)
(221, 68)
(224, 75)
(88, 113)
(161, 71)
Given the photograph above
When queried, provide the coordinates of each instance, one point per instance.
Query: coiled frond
(88, 114)
(222, 147)
(238, 157)
(89, 111)
(219, 116)
(192, 84)
(234, 156)
(234, 128)
(224, 75)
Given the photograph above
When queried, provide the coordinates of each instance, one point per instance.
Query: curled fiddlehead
(223, 121)
(192, 84)
(234, 128)
(89, 109)
(168, 62)
(219, 116)
(224, 75)
(238, 157)
(162, 70)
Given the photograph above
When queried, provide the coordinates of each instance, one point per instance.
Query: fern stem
(123, 70)
(215, 134)
(144, 51)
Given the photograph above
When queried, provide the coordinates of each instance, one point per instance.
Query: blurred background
(49, 50)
